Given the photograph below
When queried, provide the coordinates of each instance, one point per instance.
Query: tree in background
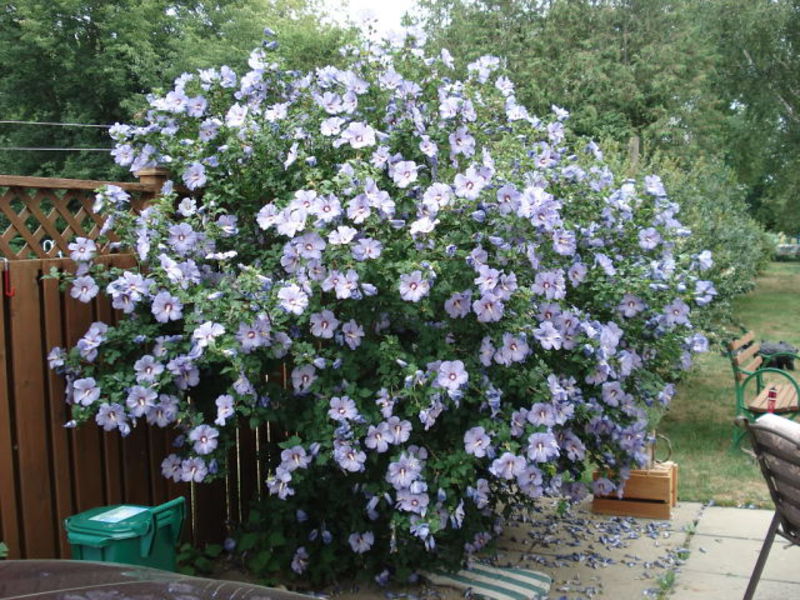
(641, 71)
(622, 68)
(758, 76)
(716, 81)
(93, 61)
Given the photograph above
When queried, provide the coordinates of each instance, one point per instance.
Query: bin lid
(117, 522)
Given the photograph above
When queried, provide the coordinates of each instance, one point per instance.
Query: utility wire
(52, 124)
(32, 149)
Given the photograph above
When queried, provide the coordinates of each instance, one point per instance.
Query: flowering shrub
(469, 306)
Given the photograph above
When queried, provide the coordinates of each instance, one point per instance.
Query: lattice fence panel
(40, 223)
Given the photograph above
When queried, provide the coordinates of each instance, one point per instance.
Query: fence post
(155, 177)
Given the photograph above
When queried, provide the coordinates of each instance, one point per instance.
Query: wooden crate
(649, 493)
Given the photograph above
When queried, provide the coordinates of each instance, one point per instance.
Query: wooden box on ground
(649, 493)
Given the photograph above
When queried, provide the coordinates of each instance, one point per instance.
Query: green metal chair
(752, 384)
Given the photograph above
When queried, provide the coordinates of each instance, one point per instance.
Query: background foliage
(93, 61)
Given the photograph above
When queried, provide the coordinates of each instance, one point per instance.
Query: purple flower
(470, 184)
(163, 413)
(602, 487)
(404, 173)
(413, 287)
(409, 501)
(542, 447)
(577, 273)
(358, 135)
(194, 176)
(403, 472)
(649, 238)
(476, 442)
(140, 400)
(508, 466)
(676, 313)
(111, 417)
(401, 430)
(461, 142)
(361, 542)
(564, 242)
(206, 333)
(704, 260)
(487, 279)
(480, 493)
(530, 481)
(235, 116)
(323, 324)
(302, 378)
(549, 284)
(606, 264)
(378, 438)
(293, 299)
(542, 414)
(488, 308)
(349, 458)
(252, 336)
(278, 484)
(56, 357)
(194, 469)
(704, 292)
(204, 438)
(630, 305)
(295, 458)
(147, 369)
(300, 560)
(518, 422)
(182, 238)
(457, 306)
(224, 409)
(171, 468)
(352, 334)
(342, 235)
(486, 352)
(654, 186)
(342, 409)
(514, 349)
(85, 391)
(84, 288)
(166, 307)
(452, 374)
(548, 336)
(82, 249)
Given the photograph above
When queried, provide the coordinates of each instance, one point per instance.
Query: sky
(387, 12)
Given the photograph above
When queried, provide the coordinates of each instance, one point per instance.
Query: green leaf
(275, 539)
(247, 541)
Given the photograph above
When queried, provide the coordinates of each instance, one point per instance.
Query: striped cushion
(496, 583)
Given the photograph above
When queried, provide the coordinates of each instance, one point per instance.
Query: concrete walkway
(704, 553)
(701, 553)
(723, 552)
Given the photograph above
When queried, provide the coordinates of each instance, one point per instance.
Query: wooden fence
(47, 471)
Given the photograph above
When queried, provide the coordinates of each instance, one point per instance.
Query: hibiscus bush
(469, 306)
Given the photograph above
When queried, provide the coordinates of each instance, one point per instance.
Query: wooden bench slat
(753, 366)
(746, 354)
(785, 402)
(742, 341)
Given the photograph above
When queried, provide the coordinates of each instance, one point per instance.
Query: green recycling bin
(129, 534)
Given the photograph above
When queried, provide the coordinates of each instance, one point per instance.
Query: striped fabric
(496, 583)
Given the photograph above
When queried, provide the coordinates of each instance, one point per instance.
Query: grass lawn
(699, 421)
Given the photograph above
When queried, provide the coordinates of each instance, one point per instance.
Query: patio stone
(734, 522)
(695, 585)
(733, 556)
